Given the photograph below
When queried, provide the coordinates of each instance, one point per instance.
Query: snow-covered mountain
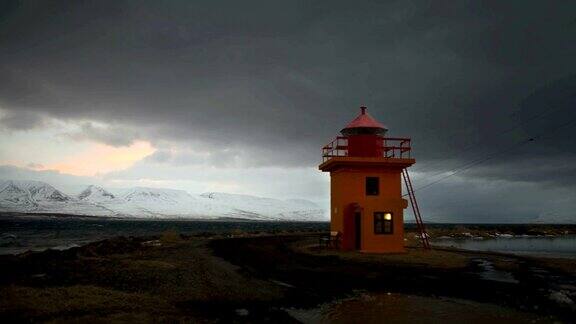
(40, 197)
(29, 193)
(156, 201)
(95, 194)
(251, 206)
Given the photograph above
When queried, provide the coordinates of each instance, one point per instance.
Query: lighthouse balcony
(392, 148)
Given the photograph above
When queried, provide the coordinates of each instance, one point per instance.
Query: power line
(508, 130)
(493, 155)
(473, 163)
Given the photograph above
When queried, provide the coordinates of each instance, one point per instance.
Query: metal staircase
(416, 210)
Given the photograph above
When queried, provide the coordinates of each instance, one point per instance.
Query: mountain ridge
(142, 202)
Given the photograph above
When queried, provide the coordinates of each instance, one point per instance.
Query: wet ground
(279, 278)
(400, 308)
(436, 278)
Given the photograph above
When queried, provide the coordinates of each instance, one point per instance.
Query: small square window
(383, 223)
(372, 186)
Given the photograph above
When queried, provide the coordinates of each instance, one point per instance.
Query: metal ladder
(416, 210)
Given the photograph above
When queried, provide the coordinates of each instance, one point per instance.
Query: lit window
(383, 223)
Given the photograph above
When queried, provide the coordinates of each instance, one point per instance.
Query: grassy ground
(243, 279)
(174, 279)
(81, 302)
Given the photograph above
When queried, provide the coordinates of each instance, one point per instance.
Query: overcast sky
(239, 96)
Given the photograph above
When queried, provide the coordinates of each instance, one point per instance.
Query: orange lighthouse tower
(366, 170)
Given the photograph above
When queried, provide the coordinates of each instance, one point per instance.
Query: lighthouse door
(357, 230)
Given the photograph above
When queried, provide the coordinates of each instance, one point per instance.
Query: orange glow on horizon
(100, 159)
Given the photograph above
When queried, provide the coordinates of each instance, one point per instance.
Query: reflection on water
(489, 272)
(560, 246)
(400, 308)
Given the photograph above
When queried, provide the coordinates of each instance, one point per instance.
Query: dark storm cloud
(112, 135)
(275, 81)
(18, 120)
(496, 202)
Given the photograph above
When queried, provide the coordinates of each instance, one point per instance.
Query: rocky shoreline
(258, 277)
(439, 231)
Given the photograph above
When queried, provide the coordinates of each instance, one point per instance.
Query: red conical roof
(364, 121)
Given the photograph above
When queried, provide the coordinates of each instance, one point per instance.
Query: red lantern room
(365, 135)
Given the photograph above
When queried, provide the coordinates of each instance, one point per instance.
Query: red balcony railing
(398, 148)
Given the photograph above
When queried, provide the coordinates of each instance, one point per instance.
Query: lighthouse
(366, 170)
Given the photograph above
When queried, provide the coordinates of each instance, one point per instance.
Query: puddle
(401, 308)
(488, 272)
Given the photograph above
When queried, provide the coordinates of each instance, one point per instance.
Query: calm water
(560, 246)
(18, 235)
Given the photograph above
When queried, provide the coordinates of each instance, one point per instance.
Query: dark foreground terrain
(268, 278)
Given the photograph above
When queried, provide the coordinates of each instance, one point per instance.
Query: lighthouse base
(384, 251)
(371, 227)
